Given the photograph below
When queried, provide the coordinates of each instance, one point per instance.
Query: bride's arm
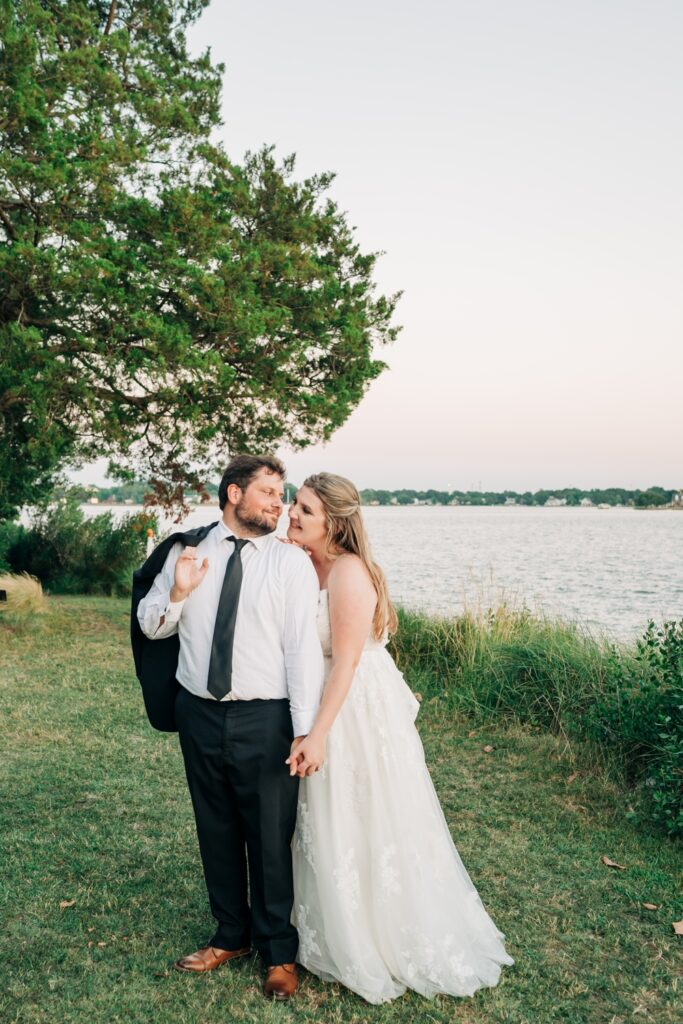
(352, 602)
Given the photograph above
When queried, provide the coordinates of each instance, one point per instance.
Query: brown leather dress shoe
(208, 958)
(281, 982)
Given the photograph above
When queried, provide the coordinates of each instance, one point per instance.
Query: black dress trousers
(245, 809)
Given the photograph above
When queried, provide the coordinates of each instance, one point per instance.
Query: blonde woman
(382, 900)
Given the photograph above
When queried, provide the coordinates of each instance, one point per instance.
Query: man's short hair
(242, 470)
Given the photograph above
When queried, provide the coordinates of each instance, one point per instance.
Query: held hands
(307, 755)
(188, 575)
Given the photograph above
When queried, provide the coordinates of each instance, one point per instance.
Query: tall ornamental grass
(624, 702)
(24, 595)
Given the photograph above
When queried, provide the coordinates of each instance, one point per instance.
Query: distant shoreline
(131, 495)
(602, 508)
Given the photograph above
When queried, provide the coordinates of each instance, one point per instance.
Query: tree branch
(107, 394)
(28, 205)
(9, 227)
(9, 399)
(110, 19)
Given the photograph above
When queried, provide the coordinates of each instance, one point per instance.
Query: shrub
(9, 533)
(641, 718)
(70, 554)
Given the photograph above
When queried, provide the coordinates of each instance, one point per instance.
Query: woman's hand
(295, 543)
(307, 754)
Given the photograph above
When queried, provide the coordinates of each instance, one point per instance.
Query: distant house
(553, 502)
(587, 503)
(677, 499)
(454, 501)
(93, 501)
(510, 501)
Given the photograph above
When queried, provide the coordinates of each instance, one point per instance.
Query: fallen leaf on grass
(573, 806)
(612, 864)
(471, 733)
(101, 943)
(677, 927)
(418, 698)
(66, 903)
(651, 906)
(572, 777)
(487, 749)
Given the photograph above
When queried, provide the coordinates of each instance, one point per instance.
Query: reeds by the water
(623, 706)
(506, 661)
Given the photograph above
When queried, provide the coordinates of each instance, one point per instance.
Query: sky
(519, 163)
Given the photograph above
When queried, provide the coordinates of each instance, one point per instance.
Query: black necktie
(220, 666)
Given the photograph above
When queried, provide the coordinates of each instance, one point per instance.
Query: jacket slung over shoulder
(156, 661)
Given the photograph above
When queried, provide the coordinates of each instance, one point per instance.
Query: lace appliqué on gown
(382, 899)
(303, 837)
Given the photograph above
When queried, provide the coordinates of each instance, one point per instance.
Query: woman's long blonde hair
(346, 531)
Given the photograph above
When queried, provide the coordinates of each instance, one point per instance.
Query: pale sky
(520, 163)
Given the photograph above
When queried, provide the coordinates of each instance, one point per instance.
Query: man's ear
(233, 494)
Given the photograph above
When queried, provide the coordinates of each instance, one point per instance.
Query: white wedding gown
(382, 900)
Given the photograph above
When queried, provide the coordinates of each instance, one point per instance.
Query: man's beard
(254, 522)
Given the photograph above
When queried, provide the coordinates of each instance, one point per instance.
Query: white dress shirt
(276, 652)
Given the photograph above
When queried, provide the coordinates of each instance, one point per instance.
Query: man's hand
(307, 755)
(188, 575)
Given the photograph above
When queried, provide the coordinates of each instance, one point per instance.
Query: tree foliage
(653, 497)
(159, 304)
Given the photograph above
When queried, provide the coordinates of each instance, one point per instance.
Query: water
(609, 569)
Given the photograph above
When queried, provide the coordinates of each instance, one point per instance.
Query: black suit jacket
(156, 661)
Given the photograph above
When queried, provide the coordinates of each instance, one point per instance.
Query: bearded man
(250, 673)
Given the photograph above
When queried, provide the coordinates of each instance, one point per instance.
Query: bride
(382, 900)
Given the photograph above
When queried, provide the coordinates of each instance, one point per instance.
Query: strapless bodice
(325, 632)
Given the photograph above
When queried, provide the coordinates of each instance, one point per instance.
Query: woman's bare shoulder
(349, 573)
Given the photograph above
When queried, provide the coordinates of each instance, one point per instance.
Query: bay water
(608, 569)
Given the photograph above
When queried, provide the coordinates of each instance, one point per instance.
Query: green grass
(95, 810)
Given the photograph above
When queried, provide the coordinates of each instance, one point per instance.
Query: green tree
(652, 497)
(160, 304)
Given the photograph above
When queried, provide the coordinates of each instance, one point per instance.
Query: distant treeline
(116, 494)
(134, 492)
(652, 497)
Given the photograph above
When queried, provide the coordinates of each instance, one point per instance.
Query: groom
(250, 672)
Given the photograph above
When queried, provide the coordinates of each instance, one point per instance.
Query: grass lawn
(96, 817)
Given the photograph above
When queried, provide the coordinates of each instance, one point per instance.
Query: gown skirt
(382, 900)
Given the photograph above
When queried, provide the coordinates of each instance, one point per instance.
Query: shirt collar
(222, 531)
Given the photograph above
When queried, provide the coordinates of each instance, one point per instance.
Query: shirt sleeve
(157, 602)
(304, 665)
